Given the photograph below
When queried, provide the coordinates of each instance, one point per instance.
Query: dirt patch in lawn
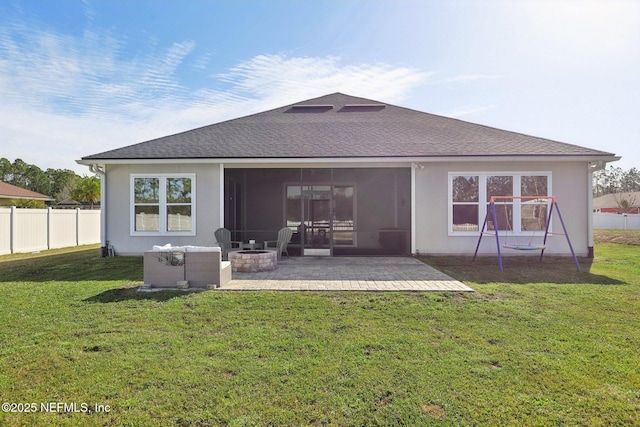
(622, 237)
(434, 411)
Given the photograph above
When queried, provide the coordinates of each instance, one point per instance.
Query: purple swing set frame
(492, 211)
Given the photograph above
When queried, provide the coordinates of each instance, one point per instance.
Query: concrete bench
(185, 267)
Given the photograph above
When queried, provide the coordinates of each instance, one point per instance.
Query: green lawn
(536, 345)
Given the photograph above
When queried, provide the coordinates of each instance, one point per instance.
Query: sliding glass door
(322, 216)
(317, 220)
(343, 226)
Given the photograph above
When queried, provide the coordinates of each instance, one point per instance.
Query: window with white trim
(163, 204)
(470, 193)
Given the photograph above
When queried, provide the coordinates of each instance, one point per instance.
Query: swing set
(492, 218)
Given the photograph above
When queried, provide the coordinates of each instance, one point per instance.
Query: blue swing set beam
(492, 212)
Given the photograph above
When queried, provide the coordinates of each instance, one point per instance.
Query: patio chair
(280, 245)
(223, 237)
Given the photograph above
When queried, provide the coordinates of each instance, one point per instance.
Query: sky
(79, 77)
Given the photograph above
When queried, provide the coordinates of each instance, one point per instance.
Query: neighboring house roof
(68, 202)
(613, 200)
(8, 191)
(343, 126)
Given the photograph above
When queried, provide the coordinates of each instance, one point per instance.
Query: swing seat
(525, 247)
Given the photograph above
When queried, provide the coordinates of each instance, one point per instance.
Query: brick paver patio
(348, 274)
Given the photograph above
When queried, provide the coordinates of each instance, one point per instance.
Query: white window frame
(162, 219)
(483, 200)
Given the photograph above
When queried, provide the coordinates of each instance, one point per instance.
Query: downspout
(102, 174)
(222, 199)
(593, 167)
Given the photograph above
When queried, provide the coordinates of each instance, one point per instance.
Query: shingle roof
(612, 200)
(343, 126)
(8, 191)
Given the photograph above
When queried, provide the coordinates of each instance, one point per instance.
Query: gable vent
(318, 107)
(363, 107)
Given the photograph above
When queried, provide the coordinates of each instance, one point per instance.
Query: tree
(630, 181)
(62, 182)
(18, 174)
(36, 180)
(28, 203)
(626, 204)
(87, 189)
(5, 170)
(615, 180)
(52, 182)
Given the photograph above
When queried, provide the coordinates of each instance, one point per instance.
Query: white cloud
(466, 78)
(160, 78)
(283, 79)
(66, 97)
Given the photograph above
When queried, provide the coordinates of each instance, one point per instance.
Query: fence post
(77, 226)
(12, 231)
(49, 213)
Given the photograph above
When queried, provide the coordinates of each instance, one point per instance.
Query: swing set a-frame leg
(475, 254)
(575, 259)
(566, 234)
(492, 211)
(546, 231)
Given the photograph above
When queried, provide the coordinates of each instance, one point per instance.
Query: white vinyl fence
(30, 230)
(616, 221)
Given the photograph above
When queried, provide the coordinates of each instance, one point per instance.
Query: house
(10, 195)
(627, 202)
(349, 176)
(70, 203)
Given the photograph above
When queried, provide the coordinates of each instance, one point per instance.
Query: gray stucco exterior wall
(119, 211)
(568, 184)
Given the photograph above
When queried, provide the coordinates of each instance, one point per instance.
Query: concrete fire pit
(253, 261)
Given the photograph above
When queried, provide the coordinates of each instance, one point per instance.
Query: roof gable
(613, 200)
(8, 191)
(343, 126)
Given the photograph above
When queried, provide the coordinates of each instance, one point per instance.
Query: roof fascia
(10, 197)
(338, 160)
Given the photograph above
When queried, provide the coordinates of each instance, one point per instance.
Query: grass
(528, 348)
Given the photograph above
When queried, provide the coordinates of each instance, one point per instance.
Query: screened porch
(331, 211)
